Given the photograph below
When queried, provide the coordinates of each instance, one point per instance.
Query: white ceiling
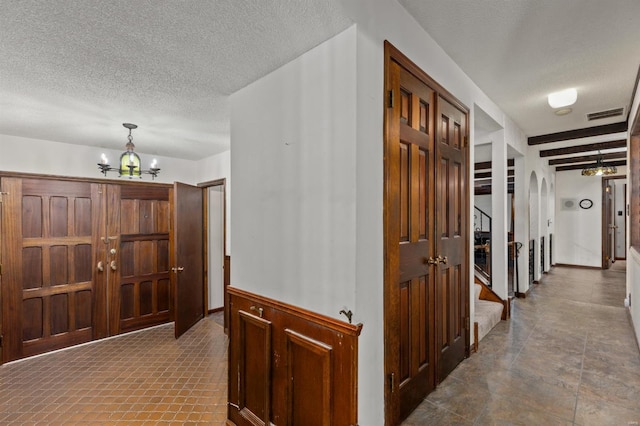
(73, 70)
(519, 51)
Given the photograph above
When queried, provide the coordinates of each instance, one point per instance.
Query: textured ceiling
(519, 51)
(74, 70)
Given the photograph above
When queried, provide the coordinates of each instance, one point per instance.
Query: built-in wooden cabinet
(289, 366)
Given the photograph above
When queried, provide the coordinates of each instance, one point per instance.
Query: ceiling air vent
(605, 114)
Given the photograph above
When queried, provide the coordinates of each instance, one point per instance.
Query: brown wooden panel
(405, 112)
(443, 198)
(445, 307)
(309, 364)
(145, 257)
(424, 356)
(31, 267)
(83, 311)
(32, 324)
(163, 216)
(146, 297)
(164, 295)
(255, 368)
(297, 401)
(424, 116)
(82, 217)
(423, 190)
(162, 261)
(59, 266)
(56, 187)
(127, 259)
(405, 330)
(59, 313)
(145, 192)
(129, 217)
(83, 262)
(127, 301)
(58, 216)
(455, 199)
(405, 176)
(147, 217)
(31, 216)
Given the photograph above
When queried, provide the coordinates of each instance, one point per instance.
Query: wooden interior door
(49, 252)
(412, 292)
(187, 256)
(452, 289)
(608, 225)
(137, 256)
(426, 216)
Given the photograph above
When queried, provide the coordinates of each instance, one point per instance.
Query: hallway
(567, 356)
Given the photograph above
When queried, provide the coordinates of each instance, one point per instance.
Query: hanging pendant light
(599, 169)
(129, 160)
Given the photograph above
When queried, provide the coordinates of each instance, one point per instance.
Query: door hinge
(1, 194)
(390, 99)
(392, 381)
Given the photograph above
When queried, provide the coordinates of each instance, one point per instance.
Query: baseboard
(522, 295)
(213, 311)
(568, 265)
(635, 335)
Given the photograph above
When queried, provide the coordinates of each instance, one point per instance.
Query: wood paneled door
(49, 282)
(426, 237)
(83, 260)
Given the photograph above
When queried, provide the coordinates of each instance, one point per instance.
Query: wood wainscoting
(289, 366)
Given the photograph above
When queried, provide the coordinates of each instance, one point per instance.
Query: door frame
(605, 183)
(205, 203)
(391, 256)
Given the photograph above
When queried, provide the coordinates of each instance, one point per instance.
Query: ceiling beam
(622, 143)
(579, 133)
(582, 166)
(585, 158)
(487, 164)
(482, 175)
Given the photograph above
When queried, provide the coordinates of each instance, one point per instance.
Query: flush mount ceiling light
(599, 169)
(562, 98)
(563, 111)
(129, 160)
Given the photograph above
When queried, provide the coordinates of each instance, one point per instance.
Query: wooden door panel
(49, 279)
(254, 346)
(139, 233)
(187, 256)
(309, 366)
(451, 228)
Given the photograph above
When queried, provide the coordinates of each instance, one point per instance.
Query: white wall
(293, 172)
(215, 247)
(578, 233)
(27, 155)
(307, 169)
(214, 168)
(483, 202)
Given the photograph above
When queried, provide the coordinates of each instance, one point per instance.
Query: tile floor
(567, 356)
(144, 378)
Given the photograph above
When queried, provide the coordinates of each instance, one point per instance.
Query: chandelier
(129, 161)
(599, 169)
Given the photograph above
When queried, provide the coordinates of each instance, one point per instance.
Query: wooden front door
(137, 256)
(187, 256)
(426, 237)
(49, 230)
(452, 289)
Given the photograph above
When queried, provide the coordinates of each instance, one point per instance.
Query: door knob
(100, 266)
(178, 269)
(113, 265)
(441, 259)
(430, 261)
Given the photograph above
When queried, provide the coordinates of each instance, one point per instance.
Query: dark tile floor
(568, 356)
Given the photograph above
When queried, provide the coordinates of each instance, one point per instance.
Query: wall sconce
(129, 161)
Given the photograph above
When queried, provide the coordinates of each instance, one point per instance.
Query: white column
(499, 216)
(521, 201)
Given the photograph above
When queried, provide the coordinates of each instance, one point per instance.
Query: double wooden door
(84, 260)
(426, 236)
